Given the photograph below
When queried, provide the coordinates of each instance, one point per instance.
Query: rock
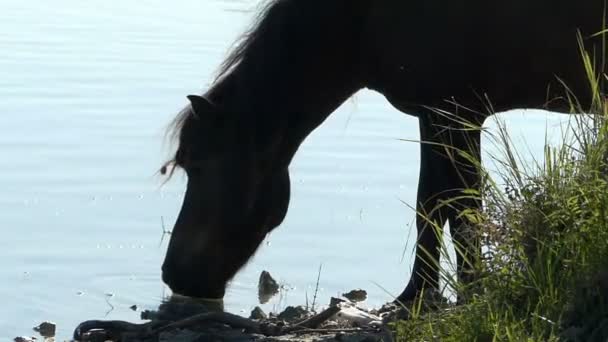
(391, 312)
(358, 317)
(258, 313)
(331, 325)
(293, 314)
(96, 335)
(133, 307)
(356, 295)
(46, 329)
(24, 339)
(267, 287)
(336, 301)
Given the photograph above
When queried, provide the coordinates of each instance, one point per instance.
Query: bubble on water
(80, 293)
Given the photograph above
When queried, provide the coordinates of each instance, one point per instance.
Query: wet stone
(24, 339)
(258, 313)
(293, 314)
(46, 329)
(96, 335)
(267, 287)
(357, 295)
(336, 301)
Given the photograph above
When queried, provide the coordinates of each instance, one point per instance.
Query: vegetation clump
(543, 273)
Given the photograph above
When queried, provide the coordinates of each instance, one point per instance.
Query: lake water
(86, 91)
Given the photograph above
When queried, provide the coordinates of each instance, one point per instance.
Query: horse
(301, 59)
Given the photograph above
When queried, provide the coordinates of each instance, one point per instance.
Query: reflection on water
(87, 89)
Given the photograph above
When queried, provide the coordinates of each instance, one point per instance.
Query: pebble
(293, 313)
(267, 287)
(357, 295)
(24, 339)
(258, 313)
(46, 329)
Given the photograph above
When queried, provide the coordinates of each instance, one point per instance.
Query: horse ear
(201, 106)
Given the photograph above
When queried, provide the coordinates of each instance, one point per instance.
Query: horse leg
(444, 173)
(466, 238)
(425, 271)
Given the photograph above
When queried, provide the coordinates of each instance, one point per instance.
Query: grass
(544, 272)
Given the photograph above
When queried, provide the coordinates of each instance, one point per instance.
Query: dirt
(185, 321)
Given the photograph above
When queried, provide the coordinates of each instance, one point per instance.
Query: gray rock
(357, 295)
(267, 287)
(258, 313)
(336, 301)
(96, 335)
(293, 314)
(24, 339)
(46, 329)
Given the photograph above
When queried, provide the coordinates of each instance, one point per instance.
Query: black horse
(303, 58)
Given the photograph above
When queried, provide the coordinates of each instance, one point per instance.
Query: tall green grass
(543, 275)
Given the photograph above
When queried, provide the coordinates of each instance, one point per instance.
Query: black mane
(250, 45)
(250, 41)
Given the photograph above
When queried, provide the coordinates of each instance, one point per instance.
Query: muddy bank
(185, 320)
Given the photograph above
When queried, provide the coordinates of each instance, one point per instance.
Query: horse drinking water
(303, 58)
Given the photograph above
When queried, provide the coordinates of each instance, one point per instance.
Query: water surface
(86, 91)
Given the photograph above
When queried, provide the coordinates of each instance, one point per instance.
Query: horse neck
(283, 112)
(299, 65)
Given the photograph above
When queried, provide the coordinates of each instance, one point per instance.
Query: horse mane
(252, 40)
(253, 37)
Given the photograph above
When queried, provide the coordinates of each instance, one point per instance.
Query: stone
(46, 329)
(293, 314)
(267, 287)
(24, 339)
(358, 317)
(258, 313)
(357, 295)
(336, 301)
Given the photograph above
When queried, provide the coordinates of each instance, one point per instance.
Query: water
(86, 91)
